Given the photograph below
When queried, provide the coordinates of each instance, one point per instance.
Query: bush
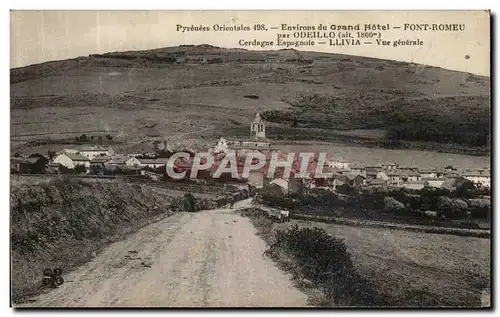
(324, 260)
(96, 169)
(392, 205)
(64, 170)
(451, 208)
(273, 196)
(189, 202)
(466, 190)
(345, 189)
(479, 208)
(80, 169)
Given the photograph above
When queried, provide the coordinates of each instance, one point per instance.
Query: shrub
(392, 205)
(466, 190)
(189, 202)
(451, 208)
(273, 196)
(80, 169)
(479, 208)
(324, 260)
(345, 189)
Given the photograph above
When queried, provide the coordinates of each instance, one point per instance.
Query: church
(256, 142)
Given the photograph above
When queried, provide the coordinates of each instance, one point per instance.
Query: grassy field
(404, 268)
(417, 268)
(145, 95)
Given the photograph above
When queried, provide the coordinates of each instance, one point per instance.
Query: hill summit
(206, 91)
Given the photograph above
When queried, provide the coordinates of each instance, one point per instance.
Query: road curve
(207, 259)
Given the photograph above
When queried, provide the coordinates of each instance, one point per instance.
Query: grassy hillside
(62, 222)
(203, 91)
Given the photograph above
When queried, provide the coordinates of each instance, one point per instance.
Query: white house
(286, 185)
(382, 175)
(394, 178)
(133, 161)
(338, 163)
(480, 179)
(71, 160)
(428, 173)
(92, 151)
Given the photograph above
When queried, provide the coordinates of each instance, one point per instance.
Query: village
(102, 161)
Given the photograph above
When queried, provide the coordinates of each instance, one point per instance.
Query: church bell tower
(258, 128)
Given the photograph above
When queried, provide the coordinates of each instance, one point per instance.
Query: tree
(100, 138)
(51, 154)
(96, 169)
(80, 169)
(17, 154)
(466, 189)
(83, 137)
(64, 170)
(189, 202)
(479, 208)
(109, 137)
(345, 189)
(91, 137)
(392, 205)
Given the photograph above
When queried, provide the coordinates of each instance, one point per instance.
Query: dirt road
(205, 259)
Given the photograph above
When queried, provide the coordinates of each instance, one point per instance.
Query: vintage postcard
(250, 159)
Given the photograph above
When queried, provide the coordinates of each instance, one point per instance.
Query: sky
(39, 36)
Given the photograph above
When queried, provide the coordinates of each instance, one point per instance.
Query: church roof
(257, 118)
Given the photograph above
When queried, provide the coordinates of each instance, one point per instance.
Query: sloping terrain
(63, 222)
(205, 91)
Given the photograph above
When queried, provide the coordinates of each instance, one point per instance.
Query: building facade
(258, 128)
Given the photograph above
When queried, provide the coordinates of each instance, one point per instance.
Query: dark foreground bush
(324, 260)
